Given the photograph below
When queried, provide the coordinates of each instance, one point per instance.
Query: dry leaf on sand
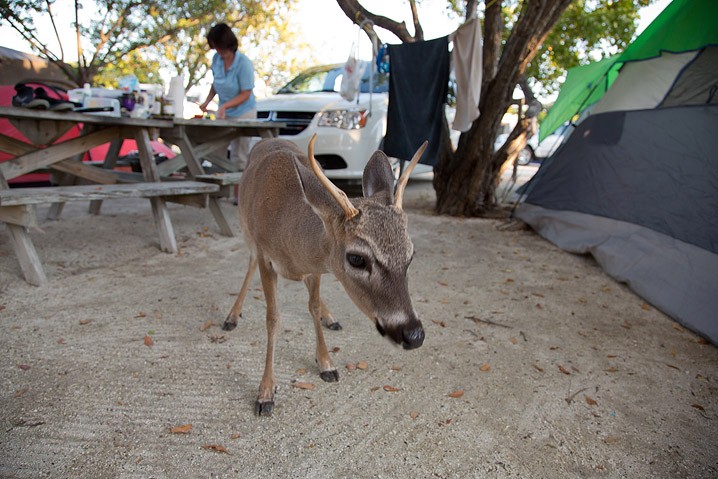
(303, 385)
(216, 448)
(183, 429)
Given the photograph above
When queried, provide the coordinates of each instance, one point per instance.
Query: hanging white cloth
(353, 71)
(467, 59)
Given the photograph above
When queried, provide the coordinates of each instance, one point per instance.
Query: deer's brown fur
(298, 225)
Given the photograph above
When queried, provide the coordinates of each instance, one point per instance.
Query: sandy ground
(536, 364)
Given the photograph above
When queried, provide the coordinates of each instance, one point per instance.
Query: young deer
(299, 225)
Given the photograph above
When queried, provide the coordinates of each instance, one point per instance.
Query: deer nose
(410, 336)
(413, 337)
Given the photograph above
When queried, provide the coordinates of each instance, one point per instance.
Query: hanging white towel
(467, 59)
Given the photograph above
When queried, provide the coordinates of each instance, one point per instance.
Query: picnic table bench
(43, 128)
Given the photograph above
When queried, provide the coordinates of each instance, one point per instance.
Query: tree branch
(54, 27)
(356, 13)
(418, 30)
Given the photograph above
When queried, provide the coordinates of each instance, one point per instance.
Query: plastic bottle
(86, 95)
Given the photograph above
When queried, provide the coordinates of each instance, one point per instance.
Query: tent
(18, 66)
(636, 184)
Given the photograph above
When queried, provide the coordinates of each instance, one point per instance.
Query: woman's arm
(210, 96)
(236, 101)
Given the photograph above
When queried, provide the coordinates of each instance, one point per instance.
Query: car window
(329, 79)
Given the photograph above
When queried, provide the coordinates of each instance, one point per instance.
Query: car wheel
(525, 157)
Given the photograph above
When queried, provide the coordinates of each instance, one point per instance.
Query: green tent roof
(683, 25)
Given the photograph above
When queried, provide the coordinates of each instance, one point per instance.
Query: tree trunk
(466, 182)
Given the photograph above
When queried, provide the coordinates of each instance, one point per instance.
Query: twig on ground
(571, 397)
(487, 321)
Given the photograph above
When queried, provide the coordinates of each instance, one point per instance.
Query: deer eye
(357, 261)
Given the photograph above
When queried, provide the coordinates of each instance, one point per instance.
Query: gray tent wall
(18, 66)
(639, 191)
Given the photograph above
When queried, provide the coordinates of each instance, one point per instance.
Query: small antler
(349, 210)
(401, 184)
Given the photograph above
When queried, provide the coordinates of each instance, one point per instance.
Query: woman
(233, 82)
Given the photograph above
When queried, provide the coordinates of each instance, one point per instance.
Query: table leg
(160, 212)
(63, 179)
(27, 255)
(113, 154)
(194, 165)
(24, 249)
(219, 217)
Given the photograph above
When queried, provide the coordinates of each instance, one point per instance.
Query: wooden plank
(61, 179)
(86, 171)
(212, 137)
(219, 217)
(193, 161)
(50, 194)
(14, 146)
(21, 215)
(222, 162)
(201, 128)
(163, 223)
(47, 156)
(196, 201)
(27, 255)
(40, 131)
(147, 155)
(221, 179)
(161, 215)
(87, 119)
(113, 153)
(201, 152)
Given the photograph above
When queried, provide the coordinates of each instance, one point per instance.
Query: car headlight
(344, 119)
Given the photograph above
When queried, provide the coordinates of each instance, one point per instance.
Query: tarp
(683, 25)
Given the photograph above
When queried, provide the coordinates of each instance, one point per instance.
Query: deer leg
(236, 312)
(327, 371)
(265, 398)
(328, 319)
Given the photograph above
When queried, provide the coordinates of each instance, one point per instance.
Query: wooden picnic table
(202, 140)
(83, 181)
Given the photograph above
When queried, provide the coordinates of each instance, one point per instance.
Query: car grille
(297, 121)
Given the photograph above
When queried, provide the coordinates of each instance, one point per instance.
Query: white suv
(347, 132)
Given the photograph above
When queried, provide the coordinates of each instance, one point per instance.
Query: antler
(349, 210)
(401, 184)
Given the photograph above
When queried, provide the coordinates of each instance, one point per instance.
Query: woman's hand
(203, 107)
(221, 112)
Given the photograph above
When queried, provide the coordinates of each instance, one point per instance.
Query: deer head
(370, 250)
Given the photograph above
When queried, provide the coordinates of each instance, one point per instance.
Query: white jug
(176, 93)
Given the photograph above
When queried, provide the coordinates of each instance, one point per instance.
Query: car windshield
(329, 79)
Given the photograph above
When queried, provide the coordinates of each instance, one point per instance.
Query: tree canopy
(587, 31)
(118, 37)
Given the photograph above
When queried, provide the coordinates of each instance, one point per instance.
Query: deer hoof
(335, 326)
(263, 407)
(330, 376)
(229, 324)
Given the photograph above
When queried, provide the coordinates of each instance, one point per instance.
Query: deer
(297, 224)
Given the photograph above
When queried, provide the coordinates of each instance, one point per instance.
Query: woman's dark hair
(221, 37)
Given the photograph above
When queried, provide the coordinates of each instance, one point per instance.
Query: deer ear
(378, 179)
(321, 201)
